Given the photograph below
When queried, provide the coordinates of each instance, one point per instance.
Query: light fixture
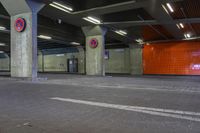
(75, 43)
(178, 26)
(191, 38)
(2, 28)
(2, 44)
(121, 32)
(60, 55)
(182, 26)
(170, 7)
(45, 37)
(59, 6)
(140, 41)
(165, 9)
(1, 52)
(92, 20)
(187, 35)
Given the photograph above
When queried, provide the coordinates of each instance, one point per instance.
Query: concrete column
(136, 64)
(23, 44)
(81, 58)
(95, 64)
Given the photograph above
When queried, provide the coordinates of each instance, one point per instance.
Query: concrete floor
(84, 104)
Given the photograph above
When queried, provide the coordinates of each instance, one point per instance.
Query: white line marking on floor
(131, 87)
(186, 115)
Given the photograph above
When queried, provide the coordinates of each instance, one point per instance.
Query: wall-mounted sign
(20, 24)
(93, 43)
(106, 56)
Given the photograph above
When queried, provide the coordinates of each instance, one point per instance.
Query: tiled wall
(176, 58)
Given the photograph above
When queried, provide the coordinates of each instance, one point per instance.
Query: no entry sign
(93, 43)
(20, 24)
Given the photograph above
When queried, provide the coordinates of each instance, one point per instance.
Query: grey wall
(58, 62)
(119, 61)
(4, 62)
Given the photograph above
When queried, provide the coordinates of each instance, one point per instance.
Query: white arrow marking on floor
(186, 115)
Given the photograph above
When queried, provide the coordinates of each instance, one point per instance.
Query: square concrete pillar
(23, 42)
(136, 63)
(81, 62)
(95, 64)
(24, 47)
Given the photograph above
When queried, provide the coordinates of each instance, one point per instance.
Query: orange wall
(179, 58)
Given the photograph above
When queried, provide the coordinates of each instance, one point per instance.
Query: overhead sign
(93, 43)
(20, 24)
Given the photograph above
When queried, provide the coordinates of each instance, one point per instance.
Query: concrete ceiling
(134, 16)
(124, 14)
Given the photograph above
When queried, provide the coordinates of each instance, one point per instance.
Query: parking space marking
(186, 115)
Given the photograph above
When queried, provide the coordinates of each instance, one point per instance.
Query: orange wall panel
(176, 58)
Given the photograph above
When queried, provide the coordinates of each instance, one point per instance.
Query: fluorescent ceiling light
(178, 26)
(181, 24)
(75, 43)
(59, 6)
(63, 6)
(59, 55)
(193, 38)
(121, 32)
(170, 7)
(2, 44)
(187, 35)
(92, 20)
(2, 28)
(1, 52)
(140, 41)
(45, 37)
(165, 9)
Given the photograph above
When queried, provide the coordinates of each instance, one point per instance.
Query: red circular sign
(93, 43)
(20, 24)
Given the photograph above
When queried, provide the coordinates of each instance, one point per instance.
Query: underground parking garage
(99, 66)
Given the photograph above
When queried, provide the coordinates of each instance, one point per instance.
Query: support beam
(124, 6)
(118, 7)
(155, 9)
(124, 24)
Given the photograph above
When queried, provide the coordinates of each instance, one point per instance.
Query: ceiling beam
(124, 6)
(131, 23)
(155, 9)
(124, 24)
(118, 7)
